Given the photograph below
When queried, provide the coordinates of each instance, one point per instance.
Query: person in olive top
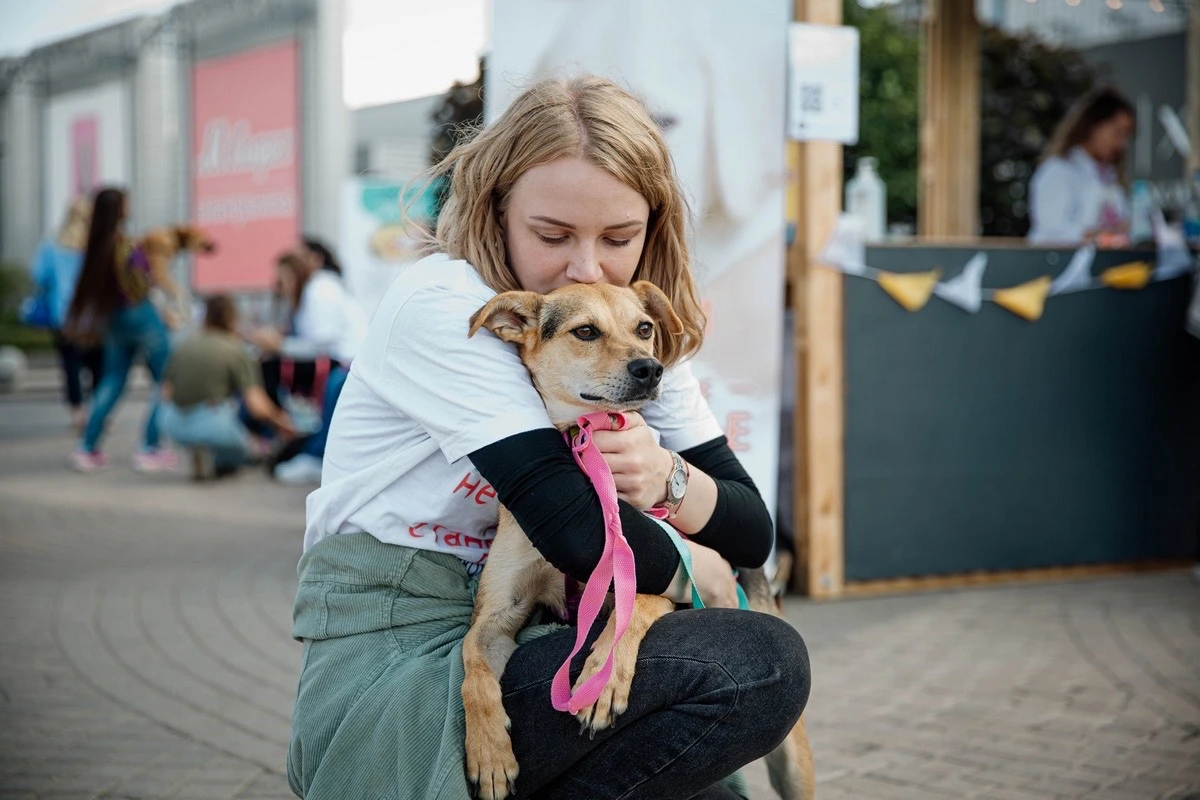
(206, 380)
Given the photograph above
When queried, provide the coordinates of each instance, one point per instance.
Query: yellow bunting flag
(911, 290)
(1026, 300)
(1133, 275)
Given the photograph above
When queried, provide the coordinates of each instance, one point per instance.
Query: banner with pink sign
(245, 164)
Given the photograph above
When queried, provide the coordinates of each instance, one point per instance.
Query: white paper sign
(823, 83)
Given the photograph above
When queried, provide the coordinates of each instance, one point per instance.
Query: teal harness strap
(685, 558)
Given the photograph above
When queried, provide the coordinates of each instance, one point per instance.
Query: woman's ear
(513, 316)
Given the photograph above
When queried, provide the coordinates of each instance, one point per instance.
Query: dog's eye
(645, 330)
(586, 332)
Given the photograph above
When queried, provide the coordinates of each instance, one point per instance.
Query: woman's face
(568, 221)
(285, 281)
(1110, 138)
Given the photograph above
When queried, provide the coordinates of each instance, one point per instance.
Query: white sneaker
(301, 470)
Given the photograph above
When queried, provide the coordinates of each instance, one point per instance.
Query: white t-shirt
(1072, 195)
(328, 321)
(422, 396)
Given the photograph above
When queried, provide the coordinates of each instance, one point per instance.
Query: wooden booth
(1027, 437)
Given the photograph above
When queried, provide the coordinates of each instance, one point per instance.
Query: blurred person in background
(55, 272)
(208, 380)
(112, 306)
(325, 327)
(1077, 194)
(312, 247)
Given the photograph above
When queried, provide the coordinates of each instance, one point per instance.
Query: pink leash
(616, 567)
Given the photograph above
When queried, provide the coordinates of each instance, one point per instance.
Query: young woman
(325, 324)
(112, 305)
(1078, 192)
(55, 272)
(573, 184)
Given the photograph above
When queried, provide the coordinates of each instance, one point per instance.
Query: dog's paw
(491, 766)
(603, 714)
(613, 700)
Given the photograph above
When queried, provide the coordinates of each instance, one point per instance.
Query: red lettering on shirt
(480, 491)
(465, 483)
(412, 530)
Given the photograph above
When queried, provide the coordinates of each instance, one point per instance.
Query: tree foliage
(889, 104)
(456, 118)
(1026, 88)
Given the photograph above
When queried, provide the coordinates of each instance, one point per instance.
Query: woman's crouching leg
(714, 690)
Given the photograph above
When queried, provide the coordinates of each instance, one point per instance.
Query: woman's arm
(537, 480)
(721, 509)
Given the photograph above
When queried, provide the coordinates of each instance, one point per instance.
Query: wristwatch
(677, 482)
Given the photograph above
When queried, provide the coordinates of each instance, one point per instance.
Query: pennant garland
(911, 290)
(846, 252)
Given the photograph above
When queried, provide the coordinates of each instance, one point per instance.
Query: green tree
(1026, 87)
(455, 119)
(889, 104)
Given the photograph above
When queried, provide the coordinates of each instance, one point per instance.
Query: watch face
(678, 484)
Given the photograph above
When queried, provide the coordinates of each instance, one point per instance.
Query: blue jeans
(214, 427)
(315, 445)
(133, 331)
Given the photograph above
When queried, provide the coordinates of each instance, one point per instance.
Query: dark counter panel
(986, 442)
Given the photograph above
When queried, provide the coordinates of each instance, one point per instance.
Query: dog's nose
(647, 372)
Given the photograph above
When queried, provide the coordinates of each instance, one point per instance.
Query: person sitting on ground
(206, 378)
(326, 327)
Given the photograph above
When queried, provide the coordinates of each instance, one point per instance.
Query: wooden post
(1192, 84)
(948, 203)
(817, 305)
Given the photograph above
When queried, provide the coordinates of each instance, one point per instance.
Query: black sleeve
(537, 480)
(740, 528)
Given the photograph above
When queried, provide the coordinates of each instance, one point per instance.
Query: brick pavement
(145, 654)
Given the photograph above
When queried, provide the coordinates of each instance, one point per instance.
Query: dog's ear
(513, 316)
(667, 323)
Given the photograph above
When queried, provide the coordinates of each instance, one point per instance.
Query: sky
(394, 49)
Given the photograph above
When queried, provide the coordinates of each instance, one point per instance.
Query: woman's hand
(714, 577)
(639, 466)
(266, 339)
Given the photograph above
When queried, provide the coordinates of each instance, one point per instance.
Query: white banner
(713, 74)
(87, 146)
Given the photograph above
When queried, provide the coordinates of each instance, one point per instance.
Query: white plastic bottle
(866, 199)
(1141, 214)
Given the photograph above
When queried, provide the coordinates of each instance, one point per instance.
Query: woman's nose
(584, 268)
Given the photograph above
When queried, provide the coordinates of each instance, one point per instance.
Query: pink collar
(616, 567)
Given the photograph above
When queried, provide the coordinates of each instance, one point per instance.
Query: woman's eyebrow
(560, 224)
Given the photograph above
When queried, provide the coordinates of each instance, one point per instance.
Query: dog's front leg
(516, 579)
(615, 698)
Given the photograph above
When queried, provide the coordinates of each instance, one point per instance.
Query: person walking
(55, 271)
(112, 306)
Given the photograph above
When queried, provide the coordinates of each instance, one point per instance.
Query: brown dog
(588, 348)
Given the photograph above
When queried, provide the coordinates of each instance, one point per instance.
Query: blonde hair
(589, 118)
(73, 234)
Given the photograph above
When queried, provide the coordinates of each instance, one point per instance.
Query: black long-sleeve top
(537, 480)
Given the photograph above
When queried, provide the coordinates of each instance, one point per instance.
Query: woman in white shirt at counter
(1078, 192)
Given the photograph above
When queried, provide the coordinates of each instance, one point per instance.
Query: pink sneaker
(155, 461)
(83, 461)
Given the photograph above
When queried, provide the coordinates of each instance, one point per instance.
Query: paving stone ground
(144, 653)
